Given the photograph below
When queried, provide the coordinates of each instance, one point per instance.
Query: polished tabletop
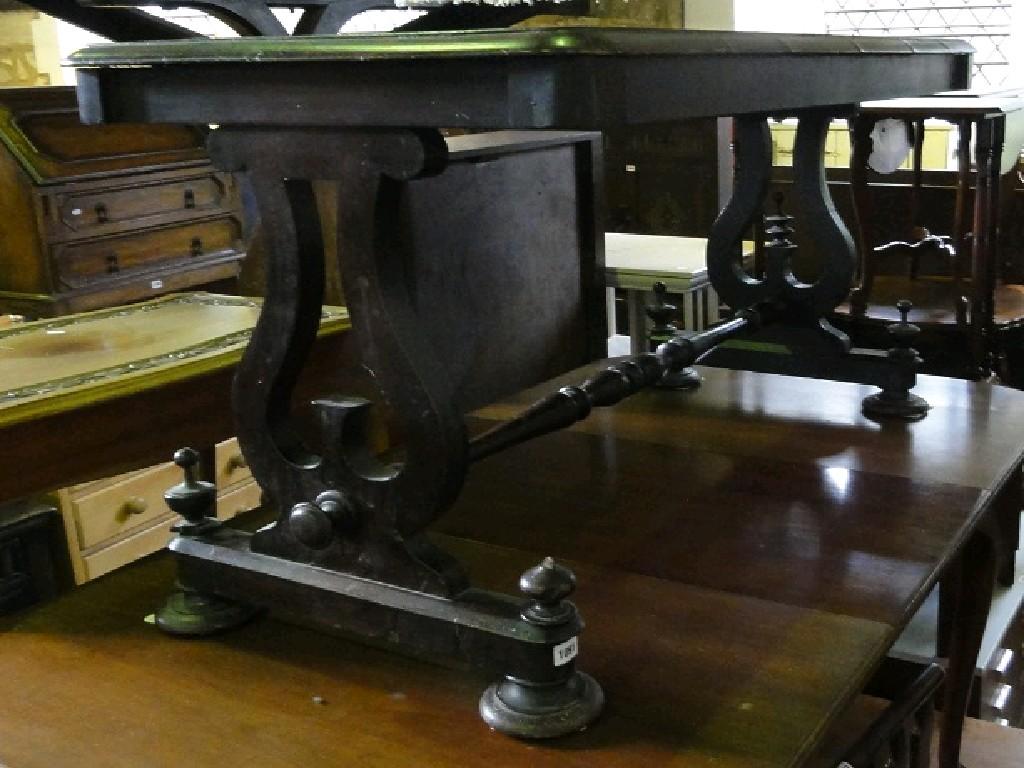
(762, 485)
(56, 365)
(130, 384)
(563, 77)
(745, 555)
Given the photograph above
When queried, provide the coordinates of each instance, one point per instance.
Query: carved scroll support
(344, 509)
(358, 518)
(814, 346)
(753, 173)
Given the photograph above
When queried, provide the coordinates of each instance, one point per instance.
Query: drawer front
(124, 506)
(82, 211)
(84, 489)
(82, 264)
(229, 464)
(239, 500)
(141, 543)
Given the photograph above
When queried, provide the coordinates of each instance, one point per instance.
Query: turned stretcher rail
(618, 381)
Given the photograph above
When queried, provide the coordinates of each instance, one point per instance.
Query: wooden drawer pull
(237, 461)
(190, 198)
(133, 506)
(101, 213)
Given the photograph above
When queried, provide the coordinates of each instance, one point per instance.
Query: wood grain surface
(86, 682)
(745, 555)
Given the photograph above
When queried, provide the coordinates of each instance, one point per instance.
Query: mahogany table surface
(745, 553)
(765, 485)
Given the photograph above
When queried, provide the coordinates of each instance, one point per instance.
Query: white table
(634, 263)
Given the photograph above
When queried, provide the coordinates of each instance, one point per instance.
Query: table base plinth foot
(883, 405)
(190, 613)
(528, 642)
(687, 378)
(542, 711)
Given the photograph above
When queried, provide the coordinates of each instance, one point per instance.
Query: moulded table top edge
(550, 78)
(559, 42)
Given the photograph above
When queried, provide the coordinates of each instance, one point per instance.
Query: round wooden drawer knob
(134, 506)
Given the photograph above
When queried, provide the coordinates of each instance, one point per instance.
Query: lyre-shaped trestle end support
(896, 400)
(566, 700)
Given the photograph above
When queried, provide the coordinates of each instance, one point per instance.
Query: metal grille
(983, 23)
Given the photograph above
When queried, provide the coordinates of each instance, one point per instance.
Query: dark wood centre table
(365, 111)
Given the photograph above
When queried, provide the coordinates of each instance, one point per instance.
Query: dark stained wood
(972, 306)
(530, 80)
(804, 534)
(804, 421)
(526, 78)
(684, 687)
(738, 486)
(509, 281)
(985, 744)
(703, 665)
(974, 571)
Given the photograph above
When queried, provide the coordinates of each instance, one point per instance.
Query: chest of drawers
(93, 216)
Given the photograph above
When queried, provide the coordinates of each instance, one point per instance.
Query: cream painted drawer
(84, 489)
(229, 465)
(238, 500)
(126, 505)
(143, 542)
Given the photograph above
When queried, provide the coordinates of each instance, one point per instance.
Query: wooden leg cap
(531, 711)
(193, 614)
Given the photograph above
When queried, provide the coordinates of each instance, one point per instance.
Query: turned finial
(193, 499)
(548, 585)
(661, 314)
(896, 399)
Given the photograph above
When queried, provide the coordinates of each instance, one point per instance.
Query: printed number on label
(566, 652)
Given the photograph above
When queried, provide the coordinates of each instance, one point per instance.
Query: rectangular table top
(562, 77)
(745, 554)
